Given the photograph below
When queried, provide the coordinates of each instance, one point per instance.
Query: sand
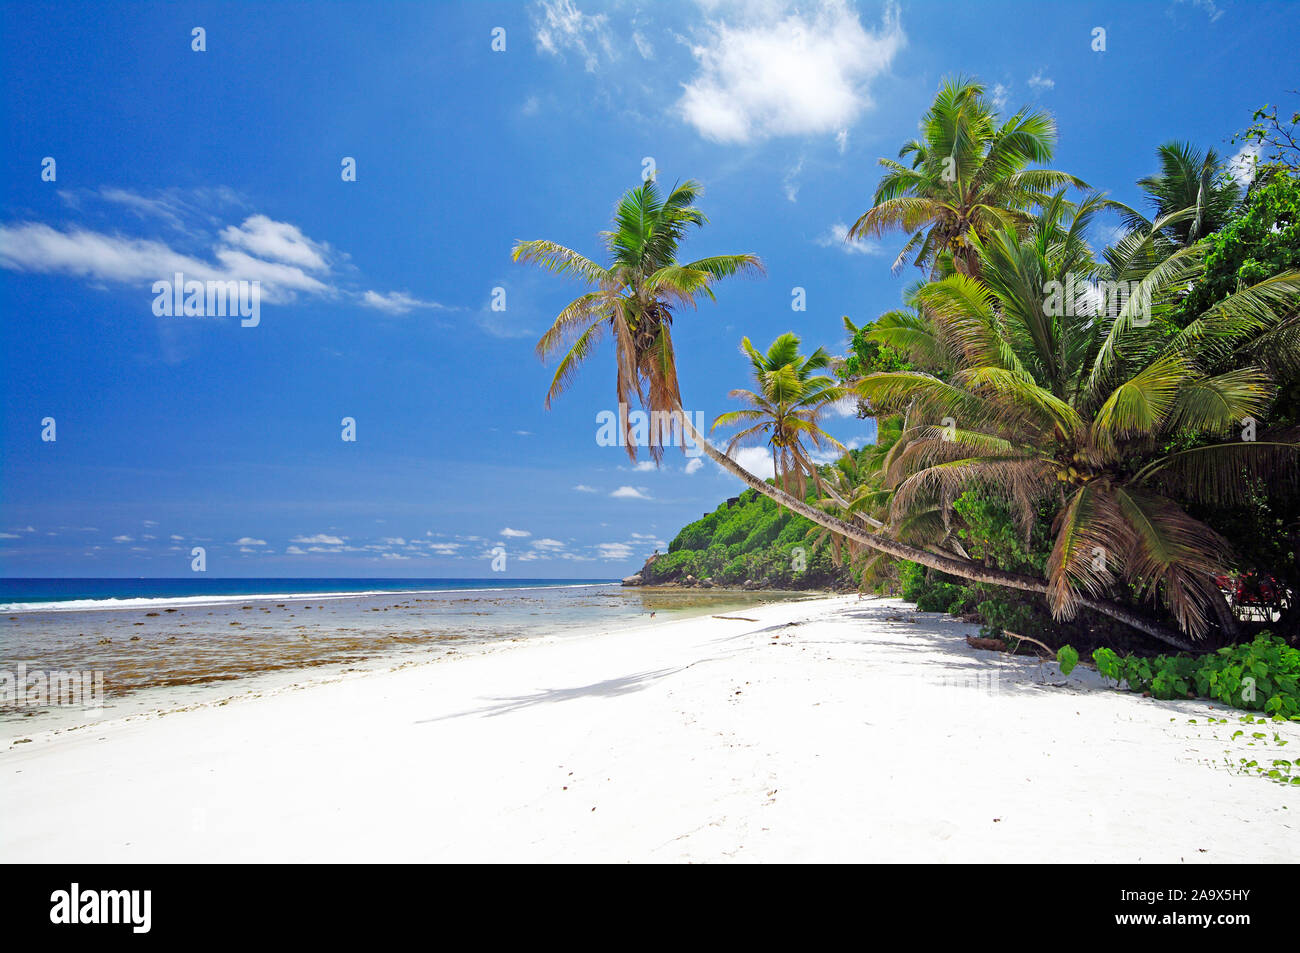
(827, 730)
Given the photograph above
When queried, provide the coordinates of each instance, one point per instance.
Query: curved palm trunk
(949, 564)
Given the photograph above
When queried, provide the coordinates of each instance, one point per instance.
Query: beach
(831, 729)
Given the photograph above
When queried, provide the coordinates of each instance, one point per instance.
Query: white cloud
(397, 302)
(1242, 166)
(643, 46)
(614, 551)
(1209, 6)
(845, 407)
(1038, 82)
(548, 544)
(33, 246)
(999, 96)
(583, 488)
(123, 539)
(319, 538)
(561, 27)
(10, 536)
(249, 541)
(630, 493)
(790, 184)
(177, 538)
(837, 236)
(276, 254)
(757, 460)
(393, 556)
(765, 71)
(277, 241)
(515, 533)
(694, 465)
(295, 551)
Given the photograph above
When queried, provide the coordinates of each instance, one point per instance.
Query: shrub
(1263, 675)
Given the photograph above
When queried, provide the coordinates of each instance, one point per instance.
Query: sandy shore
(829, 730)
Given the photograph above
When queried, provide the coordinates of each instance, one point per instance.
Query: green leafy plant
(1262, 675)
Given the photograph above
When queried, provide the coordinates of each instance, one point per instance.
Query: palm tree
(1194, 181)
(785, 409)
(968, 177)
(633, 300)
(1110, 413)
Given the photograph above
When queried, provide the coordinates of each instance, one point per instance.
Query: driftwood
(1028, 638)
(997, 645)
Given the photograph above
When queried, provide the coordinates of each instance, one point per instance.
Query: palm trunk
(949, 564)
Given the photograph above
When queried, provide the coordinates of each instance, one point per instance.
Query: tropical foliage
(1046, 406)
(968, 175)
(785, 409)
(1063, 427)
(633, 299)
(748, 539)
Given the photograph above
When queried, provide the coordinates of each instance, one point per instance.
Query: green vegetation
(1089, 443)
(786, 408)
(1261, 675)
(748, 539)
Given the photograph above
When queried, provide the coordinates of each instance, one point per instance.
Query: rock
(632, 580)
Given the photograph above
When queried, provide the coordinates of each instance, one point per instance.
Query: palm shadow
(609, 688)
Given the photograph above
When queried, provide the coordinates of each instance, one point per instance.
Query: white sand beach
(835, 729)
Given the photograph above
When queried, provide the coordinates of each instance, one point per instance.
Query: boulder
(632, 580)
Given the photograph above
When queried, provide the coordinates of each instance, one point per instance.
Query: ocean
(159, 643)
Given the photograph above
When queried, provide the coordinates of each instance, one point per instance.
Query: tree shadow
(609, 688)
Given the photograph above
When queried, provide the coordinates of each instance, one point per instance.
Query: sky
(387, 296)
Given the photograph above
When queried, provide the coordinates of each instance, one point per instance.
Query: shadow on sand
(610, 688)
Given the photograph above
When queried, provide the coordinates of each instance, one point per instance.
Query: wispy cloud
(560, 28)
(837, 236)
(1209, 6)
(277, 254)
(397, 302)
(630, 493)
(323, 539)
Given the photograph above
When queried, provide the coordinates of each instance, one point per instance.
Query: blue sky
(173, 432)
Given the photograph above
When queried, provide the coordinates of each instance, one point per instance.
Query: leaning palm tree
(1111, 413)
(969, 175)
(785, 410)
(640, 287)
(634, 299)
